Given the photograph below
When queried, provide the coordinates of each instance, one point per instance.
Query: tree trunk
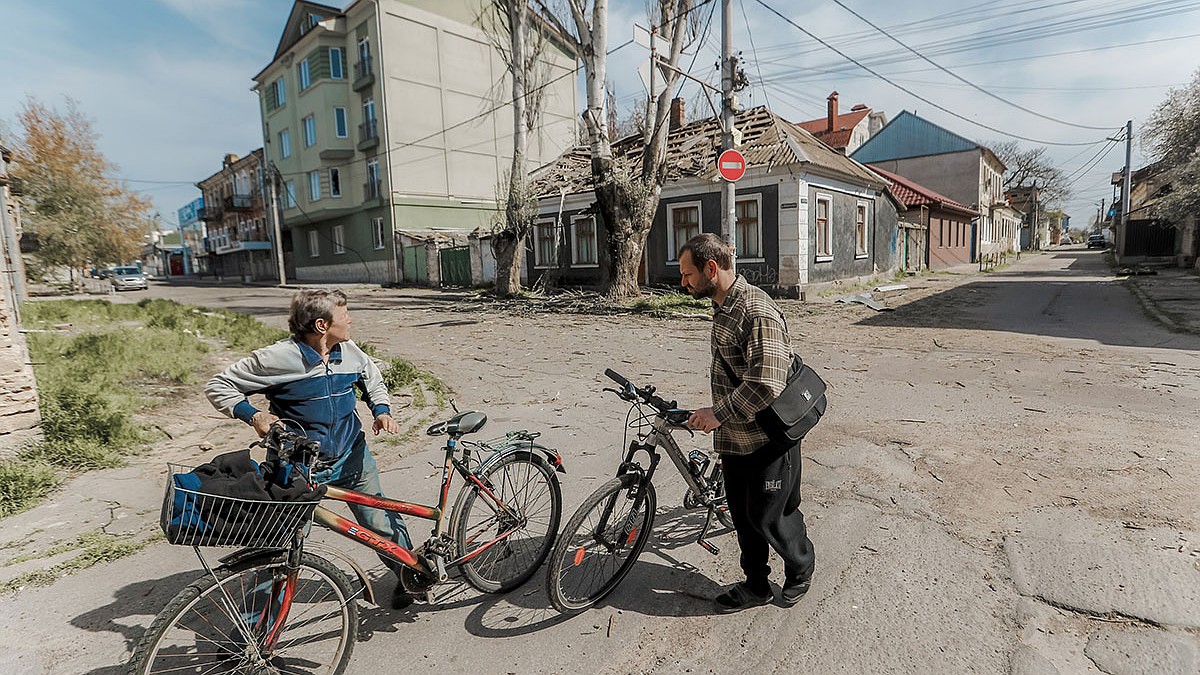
(510, 241)
(508, 247)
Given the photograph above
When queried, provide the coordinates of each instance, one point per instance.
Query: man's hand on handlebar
(703, 420)
(262, 422)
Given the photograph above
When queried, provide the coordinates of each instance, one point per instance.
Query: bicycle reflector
(579, 554)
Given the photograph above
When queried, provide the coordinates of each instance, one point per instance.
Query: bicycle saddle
(459, 425)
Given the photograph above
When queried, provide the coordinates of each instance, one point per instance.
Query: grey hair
(311, 304)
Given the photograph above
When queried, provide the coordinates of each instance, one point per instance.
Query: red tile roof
(912, 194)
(843, 127)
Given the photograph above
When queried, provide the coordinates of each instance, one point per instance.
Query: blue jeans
(356, 470)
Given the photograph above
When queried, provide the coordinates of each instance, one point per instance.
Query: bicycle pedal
(711, 548)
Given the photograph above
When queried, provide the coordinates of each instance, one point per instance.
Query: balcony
(371, 190)
(210, 213)
(368, 135)
(238, 203)
(364, 75)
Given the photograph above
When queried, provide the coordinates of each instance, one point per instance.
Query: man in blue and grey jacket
(310, 378)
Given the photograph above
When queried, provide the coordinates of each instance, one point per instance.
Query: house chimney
(833, 111)
(677, 114)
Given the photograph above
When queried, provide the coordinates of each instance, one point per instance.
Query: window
(377, 233)
(372, 187)
(860, 229)
(341, 128)
(749, 228)
(364, 50)
(584, 249)
(280, 92)
(289, 195)
(335, 182)
(684, 223)
(304, 75)
(285, 144)
(337, 60)
(824, 233)
(314, 244)
(310, 131)
(314, 186)
(339, 239)
(545, 249)
(368, 110)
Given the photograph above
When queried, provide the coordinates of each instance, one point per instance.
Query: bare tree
(1025, 168)
(1172, 136)
(521, 46)
(77, 210)
(626, 197)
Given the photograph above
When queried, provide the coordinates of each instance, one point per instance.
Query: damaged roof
(768, 141)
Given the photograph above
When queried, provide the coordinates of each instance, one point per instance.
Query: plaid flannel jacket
(749, 333)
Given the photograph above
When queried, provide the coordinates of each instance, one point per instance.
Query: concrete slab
(1144, 652)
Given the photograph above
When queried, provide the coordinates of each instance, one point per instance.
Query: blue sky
(167, 82)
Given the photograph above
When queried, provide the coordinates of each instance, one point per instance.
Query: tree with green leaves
(79, 213)
(1172, 137)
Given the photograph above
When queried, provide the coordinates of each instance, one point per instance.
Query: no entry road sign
(731, 165)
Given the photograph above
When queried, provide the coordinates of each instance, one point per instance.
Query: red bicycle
(281, 605)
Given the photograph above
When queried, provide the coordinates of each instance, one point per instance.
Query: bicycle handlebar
(631, 392)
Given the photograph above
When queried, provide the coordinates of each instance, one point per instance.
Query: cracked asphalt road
(1005, 483)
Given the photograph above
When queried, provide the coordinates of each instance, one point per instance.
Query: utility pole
(273, 211)
(728, 72)
(1126, 183)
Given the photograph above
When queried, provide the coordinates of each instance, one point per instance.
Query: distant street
(1005, 483)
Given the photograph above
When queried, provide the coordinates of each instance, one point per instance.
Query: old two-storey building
(952, 165)
(806, 214)
(238, 241)
(388, 117)
(845, 132)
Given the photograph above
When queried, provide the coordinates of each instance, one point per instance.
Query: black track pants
(764, 499)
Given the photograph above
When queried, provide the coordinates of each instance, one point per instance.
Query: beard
(706, 288)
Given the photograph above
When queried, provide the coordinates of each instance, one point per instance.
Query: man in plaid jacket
(751, 358)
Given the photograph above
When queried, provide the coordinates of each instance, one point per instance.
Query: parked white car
(128, 279)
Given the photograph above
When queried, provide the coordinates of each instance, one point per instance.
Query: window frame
(314, 186)
(672, 245)
(344, 132)
(285, 143)
(760, 256)
(575, 261)
(309, 128)
(280, 92)
(289, 194)
(304, 74)
(863, 207)
(335, 171)
(341, 63)
(377, 239)
(538, 263)
(338, 234)
(825, 255)
(314, 243)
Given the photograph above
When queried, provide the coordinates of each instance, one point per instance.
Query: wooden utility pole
(728, 104)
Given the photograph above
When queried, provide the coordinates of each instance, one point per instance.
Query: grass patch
(670, 304)
(94, 548)
(24, 483)
(400, 375)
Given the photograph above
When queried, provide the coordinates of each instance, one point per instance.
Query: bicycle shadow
(141, 599)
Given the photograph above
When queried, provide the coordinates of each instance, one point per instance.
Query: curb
(1155, 312)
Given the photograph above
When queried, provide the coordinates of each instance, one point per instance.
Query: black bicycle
(606, 535)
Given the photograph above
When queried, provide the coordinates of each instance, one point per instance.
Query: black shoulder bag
(798, 407)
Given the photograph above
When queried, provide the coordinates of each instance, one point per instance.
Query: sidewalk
(1172, 296)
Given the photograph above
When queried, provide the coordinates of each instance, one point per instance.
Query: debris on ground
(864, 299)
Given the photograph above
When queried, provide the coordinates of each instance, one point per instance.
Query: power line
(753, 50)
(909, 91)
(956, 76)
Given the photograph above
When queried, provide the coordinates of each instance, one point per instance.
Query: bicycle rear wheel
(527, 485)
(219, 625)
(600, 544)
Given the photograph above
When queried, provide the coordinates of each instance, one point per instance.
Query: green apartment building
(391, 117)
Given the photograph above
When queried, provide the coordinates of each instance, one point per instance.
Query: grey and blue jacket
(300, 386)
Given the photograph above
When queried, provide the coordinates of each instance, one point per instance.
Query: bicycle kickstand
(705, 544)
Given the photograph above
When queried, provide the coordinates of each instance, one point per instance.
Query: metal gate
(1149, 238)
(416, 266)
(455, 265)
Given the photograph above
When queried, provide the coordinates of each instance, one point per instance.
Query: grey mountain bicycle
(606, 535)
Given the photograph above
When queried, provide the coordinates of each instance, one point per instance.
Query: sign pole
(728, 191)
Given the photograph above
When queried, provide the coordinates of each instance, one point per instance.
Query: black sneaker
(793, 591)
(741, 596)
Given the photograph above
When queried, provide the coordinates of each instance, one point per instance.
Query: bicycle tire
(605, 568)
(512, 561)
(310, 620)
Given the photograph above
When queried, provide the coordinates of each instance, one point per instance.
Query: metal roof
(910, 136)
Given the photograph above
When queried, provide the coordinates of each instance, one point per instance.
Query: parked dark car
(1097, 241)
(128, 279)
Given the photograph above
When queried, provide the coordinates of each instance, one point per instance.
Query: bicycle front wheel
(600, 544)
(222, 624)
(505, 535)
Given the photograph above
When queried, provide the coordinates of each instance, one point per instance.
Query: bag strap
(786, 335)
